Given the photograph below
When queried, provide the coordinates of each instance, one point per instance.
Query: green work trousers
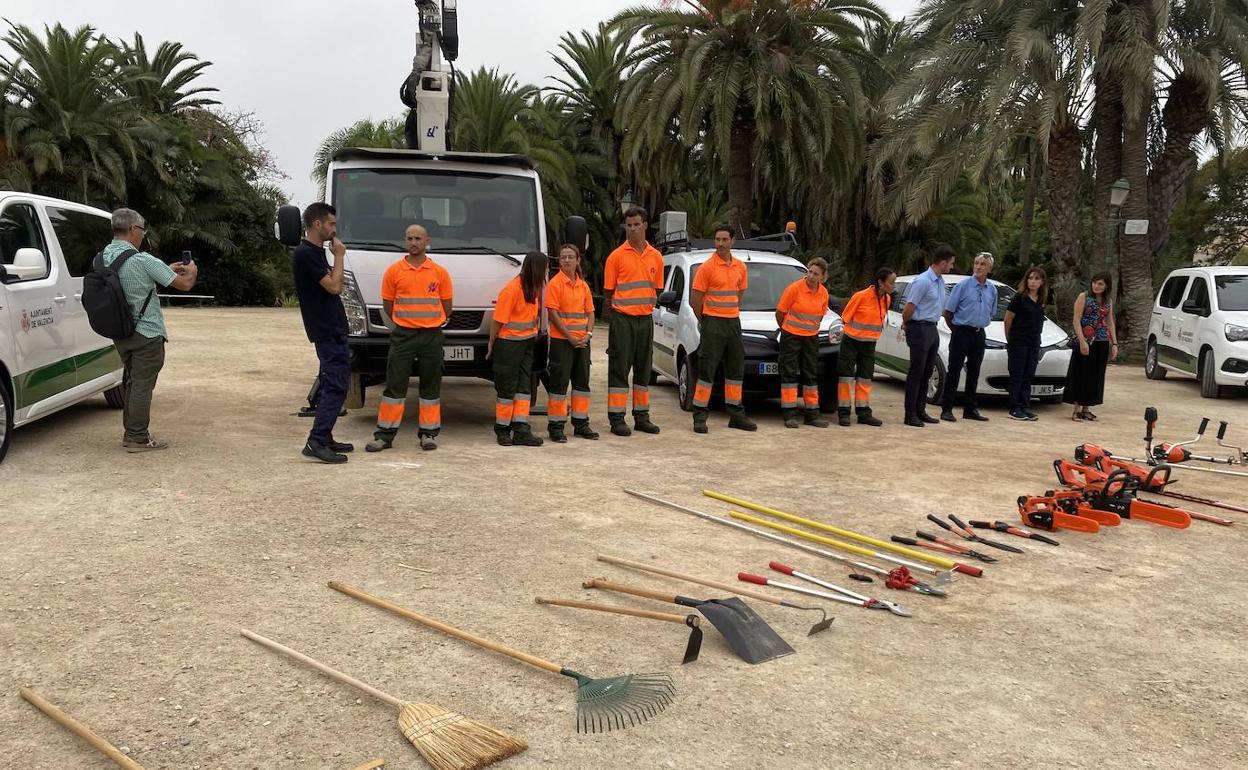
(568, 365)
(419, 349)
(629, 349)
(143, 358)
(855, 367)
(513, 375)
(721, 344)
(799, 365)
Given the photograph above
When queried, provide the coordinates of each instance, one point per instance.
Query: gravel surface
(124, 580)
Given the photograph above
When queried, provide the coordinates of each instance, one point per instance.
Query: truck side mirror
(289, 226)
(576, 232)
(1193, 308)
(28, 265)
(669, 300)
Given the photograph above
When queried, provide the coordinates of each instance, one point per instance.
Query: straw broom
(446, 739)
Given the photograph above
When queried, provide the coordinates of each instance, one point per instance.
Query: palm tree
(67, 121)
(743, 77)
(386, 134)
(159, 83)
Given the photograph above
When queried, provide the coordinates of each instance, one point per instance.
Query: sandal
(1076, 416)
(1086, 415)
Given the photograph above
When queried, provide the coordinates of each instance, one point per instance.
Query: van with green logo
(49, 356)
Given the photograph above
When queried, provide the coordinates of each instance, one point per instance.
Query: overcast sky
(309, 67)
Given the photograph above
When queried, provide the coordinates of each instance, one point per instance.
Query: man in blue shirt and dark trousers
(319, 287)
(925, 301)
(968, 312)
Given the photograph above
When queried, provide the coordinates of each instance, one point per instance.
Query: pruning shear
(965, 532)
(1002, 526)
(954, 547)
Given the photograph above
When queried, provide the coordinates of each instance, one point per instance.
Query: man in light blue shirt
(968, 311)
(142, 353)
(925, 301)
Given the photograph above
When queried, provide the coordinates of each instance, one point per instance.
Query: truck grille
(461, 320)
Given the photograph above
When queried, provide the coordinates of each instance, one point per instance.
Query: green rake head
(619, 702)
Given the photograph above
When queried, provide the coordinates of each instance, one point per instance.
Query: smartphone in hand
(186, 257)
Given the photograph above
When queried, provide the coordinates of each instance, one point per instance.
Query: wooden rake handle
(480, 641)
(616, 608)
(319, 666)
(735, 590)
(79, 729)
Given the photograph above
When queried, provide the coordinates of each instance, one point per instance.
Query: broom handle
(651, 614)
(79, 729)
(324, 669)
(735, 590)
(480, 641)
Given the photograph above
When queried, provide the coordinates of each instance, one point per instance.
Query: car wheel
(1209, 388)
(936, 384)
(686, 379)
(116, 397)
(1153, 369)
(6, 420)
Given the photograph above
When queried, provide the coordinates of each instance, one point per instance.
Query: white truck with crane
(483, 212)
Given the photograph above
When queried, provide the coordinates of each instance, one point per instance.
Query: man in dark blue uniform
(319, 287)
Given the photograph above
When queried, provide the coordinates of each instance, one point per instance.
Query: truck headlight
(1236, 333)
(834, 335)
(353, 304)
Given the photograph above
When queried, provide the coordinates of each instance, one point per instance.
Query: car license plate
(458, 353)
(1042, 390)
(769, 367)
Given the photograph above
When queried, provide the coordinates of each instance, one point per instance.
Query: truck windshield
(1232, 292)
(461, 210)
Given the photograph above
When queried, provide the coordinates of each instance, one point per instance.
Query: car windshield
(1232, 292)
(767, 281)
(1004, 295)
(461, 210)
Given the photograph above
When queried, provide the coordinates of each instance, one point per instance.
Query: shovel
(743, 629)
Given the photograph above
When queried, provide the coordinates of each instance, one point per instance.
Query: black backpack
(105, 301)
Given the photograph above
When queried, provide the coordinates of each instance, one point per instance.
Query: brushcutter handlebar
(1221, 430)
(1204, 423)
(1150, 422)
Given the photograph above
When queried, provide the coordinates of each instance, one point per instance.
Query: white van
(1199, 327)
(49, 356)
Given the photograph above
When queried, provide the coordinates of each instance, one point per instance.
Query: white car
(676, 335)
(1200, 328)
(49, 356)
(892, 357)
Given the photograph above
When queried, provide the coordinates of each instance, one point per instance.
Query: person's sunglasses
(141, 227)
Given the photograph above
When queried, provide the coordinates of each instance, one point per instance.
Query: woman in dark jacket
(1096, 343)
(1024, 320)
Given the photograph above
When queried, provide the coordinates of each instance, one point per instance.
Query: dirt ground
(124, 580)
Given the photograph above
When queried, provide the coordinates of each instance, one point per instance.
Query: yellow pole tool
(930, 559)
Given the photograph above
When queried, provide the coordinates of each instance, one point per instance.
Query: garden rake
(447, 740)
(612, 703)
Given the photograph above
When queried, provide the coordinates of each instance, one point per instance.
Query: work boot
(427, 443)
(151, 445)
(791, 421)
(340, 446)
(318, 451)
(584, 431)
(377, 445)
(642, 423)
(526, 439)
(503, 435)
(866, 418)
(557, 434)
(842, 417)
(813, 419)
(741, 422)
(699, 422)
(618, 428)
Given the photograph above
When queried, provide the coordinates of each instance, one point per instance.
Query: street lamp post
(627, 202)
(1118, 193)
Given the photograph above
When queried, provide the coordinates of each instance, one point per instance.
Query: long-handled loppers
(952, 548)
(963, 550)
(869, 602)
(960, 529)
(1010, 529)
(898, 579)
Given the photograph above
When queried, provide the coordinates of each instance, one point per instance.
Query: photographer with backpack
(132, 319)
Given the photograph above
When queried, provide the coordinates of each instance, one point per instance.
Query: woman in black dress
(1096, 342)
(1024, 320)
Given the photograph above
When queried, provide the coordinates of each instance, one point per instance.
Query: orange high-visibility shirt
(573, 302)
(864, 314)
(635, 277)
(722, 283)
(803, 309)
(519, 318)
(417, 293)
